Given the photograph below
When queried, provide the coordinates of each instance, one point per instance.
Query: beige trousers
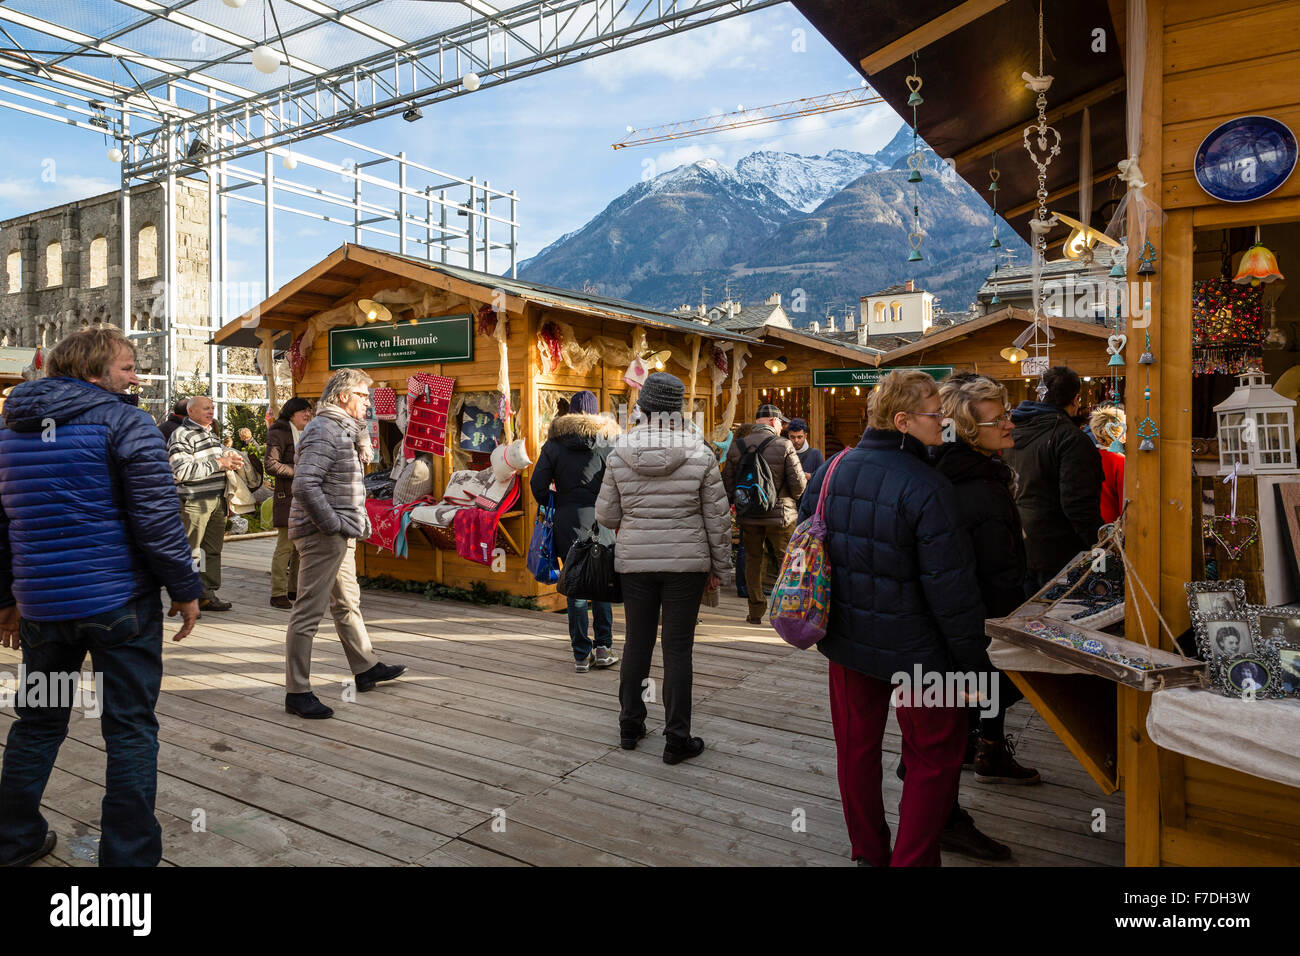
(327, 577)
(204, 520)
(284, 565)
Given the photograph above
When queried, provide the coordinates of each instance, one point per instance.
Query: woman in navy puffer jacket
(904, 600)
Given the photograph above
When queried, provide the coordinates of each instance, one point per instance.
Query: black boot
(676, 753)
(996, 763)
(960, 835)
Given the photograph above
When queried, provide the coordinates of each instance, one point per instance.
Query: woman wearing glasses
(905, 603)
(985, 486)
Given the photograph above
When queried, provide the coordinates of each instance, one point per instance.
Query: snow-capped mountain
(760, 229)
(805, 182)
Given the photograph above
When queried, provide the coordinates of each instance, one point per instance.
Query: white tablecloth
(1261, 737)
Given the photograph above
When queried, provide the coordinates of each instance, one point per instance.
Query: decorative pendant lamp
(1258, 265)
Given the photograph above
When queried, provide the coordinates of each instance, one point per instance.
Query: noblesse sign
(870, 376)
(427, 342)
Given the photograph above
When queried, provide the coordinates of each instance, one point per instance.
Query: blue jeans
(125, 646)
(603, 613)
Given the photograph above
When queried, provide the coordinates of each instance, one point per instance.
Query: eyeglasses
(359, 393)
(1003, 419)
(928, 414)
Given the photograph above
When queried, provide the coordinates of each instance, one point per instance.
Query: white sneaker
(605, 657)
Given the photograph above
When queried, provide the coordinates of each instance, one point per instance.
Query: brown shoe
(282, 602)
(750, 619)
(995, 762)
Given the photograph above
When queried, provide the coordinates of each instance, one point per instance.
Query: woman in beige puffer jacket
(663, 494)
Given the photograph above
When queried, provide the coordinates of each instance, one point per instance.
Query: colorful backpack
(801, 599)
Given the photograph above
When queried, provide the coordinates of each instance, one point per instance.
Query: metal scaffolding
(190, 87)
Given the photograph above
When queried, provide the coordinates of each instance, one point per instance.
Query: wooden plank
(1274, 29)
(1216, 90)
(1070, 708)
(936, 29)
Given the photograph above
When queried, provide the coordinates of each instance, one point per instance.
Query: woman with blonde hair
(905, 603)
(1109, 426)
(985, 486)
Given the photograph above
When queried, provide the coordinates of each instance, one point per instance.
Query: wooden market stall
(499, 335)
(14, 362)
(1152, 82)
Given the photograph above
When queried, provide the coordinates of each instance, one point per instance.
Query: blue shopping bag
(542, 563)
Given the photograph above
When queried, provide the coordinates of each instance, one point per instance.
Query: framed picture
(1211, 600)
(1278, 629)
(1257, 675)
(1289, 669)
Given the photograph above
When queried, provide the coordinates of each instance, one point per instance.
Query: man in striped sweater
(199, 464)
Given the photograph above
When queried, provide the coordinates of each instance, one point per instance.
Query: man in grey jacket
(327, 517)
(777, 523)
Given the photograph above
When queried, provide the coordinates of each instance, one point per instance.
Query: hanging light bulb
(114, 154)
(374, 311)
(233, 4)
(266, 59)
(856, 390)
(777, 365)
(289, 159)
(1258, 265)
(1014, 354)
(471, 82)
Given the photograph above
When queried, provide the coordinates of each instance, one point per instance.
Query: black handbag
(588, 573)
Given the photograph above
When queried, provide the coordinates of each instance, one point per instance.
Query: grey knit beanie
(662, 393)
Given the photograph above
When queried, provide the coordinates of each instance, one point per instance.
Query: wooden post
(1138, 764)
(817, 419)
(695, 361)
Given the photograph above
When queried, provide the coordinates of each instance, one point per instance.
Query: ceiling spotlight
(114, 154)
(266, 59)
(471, 82)
(233, 4)
(412, 114)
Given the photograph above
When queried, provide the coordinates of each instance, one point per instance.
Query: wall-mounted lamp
(374, 311)
(1082, 239)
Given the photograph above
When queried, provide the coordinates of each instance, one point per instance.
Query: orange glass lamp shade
(1258, 265)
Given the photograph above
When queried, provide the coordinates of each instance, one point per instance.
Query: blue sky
(548, 136)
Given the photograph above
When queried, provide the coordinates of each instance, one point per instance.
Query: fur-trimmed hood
(577, 430)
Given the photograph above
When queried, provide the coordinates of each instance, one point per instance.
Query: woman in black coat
(281, 439)
(905, 609)
(573, 459)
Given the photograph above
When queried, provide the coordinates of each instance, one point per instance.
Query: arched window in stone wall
(896, 310)
(53, 265)
(880, 311)
(14, 271)
(147, 252)
(98, 262)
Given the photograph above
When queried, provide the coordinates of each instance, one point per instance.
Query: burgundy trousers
(934, 742)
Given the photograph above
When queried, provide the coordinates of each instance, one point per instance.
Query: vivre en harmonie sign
(823, 377)
(422, 342)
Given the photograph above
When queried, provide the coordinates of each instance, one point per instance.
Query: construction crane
(777, 112)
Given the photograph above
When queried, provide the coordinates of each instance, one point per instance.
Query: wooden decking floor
(492, 751)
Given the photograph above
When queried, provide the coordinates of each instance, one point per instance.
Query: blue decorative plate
(1246, 158)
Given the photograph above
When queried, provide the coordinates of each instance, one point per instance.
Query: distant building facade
(62, 271)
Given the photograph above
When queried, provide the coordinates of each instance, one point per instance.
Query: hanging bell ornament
(1117, 259)
(1147, 445)
(1116, 360)
(996, 243)
(915, 256)
(1147, 260)
(914, 163)
(995, 300)
(914, 84)
(1147, 359)
(1117, 447)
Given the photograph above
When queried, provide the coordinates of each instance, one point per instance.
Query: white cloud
(685, 56)
(32, 195)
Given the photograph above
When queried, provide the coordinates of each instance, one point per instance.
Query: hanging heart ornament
(1115, 344)
(1235, 535)
(914, 83)
(915, 239)
(914, 161)
(1047, 146)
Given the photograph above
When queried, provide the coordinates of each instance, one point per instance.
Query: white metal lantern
(1256, 429)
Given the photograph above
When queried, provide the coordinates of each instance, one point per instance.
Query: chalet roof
(899, 289)
(753, 317)
(1011, 314)
(336, 277)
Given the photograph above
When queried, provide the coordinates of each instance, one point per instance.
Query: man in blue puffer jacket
(89, 532)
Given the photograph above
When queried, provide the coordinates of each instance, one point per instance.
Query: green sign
(423, 342)
(872, 376)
